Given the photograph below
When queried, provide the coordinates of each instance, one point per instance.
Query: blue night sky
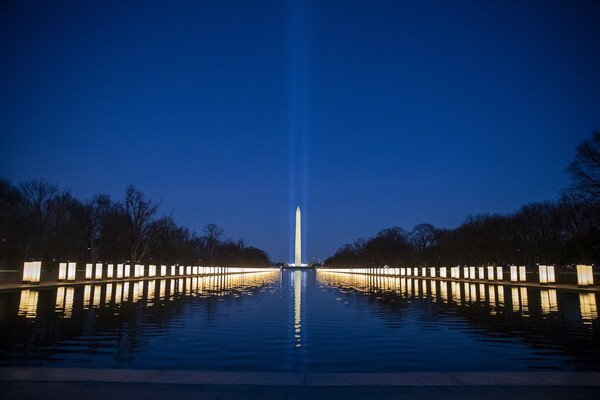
(367, 114)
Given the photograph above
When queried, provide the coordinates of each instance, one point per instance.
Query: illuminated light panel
(89, 269)
(98, 271)
(71, 269)
(490, 272)
(32, 272)
(62, 271)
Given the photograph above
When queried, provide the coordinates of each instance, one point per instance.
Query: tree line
(561, 232)
(42, 222)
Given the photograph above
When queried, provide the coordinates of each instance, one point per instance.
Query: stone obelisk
(298, 252)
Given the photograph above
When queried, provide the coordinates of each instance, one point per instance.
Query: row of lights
(547, 273)
(66, 271)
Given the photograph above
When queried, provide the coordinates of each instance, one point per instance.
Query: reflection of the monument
(463, 294)
(297, 308)
(114, 294)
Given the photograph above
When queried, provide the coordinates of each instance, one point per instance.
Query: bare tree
(585, 169)
(212, 243)
(140, 212)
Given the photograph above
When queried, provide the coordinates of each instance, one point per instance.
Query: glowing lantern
(466, 274)
(89, 271)
(119, 271)
(181, 268)
(481, 273)
(443, 272)
(195, 270)
(423, 271)
(409, 271)
(163, 270)
(472, 272)
(110, 268)
(432, 272)
(188, 270)
(403, 271)
(173, 272)
(152, 270)
(62, 271)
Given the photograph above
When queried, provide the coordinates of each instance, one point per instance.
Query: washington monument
(298, 247)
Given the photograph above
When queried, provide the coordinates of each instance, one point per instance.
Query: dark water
(301, 321)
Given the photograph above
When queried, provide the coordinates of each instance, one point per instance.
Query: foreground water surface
(301, 321)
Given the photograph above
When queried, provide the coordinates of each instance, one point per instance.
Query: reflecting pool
(301, 321)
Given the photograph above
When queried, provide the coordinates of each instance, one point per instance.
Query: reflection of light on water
(482, 292)
(587, 304)
(108, 297)
(548, 300)
(162, 288)
(524, 302)
(96, 298)
(444, 291)
(460, 293)
(68, 305)
(28, 303)
(126, 291)
(455, 288)
(492, 299)
(514, 297)
(87, 295)
(60, 297)
(297, 307)
(118, 293)
(151, 292)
